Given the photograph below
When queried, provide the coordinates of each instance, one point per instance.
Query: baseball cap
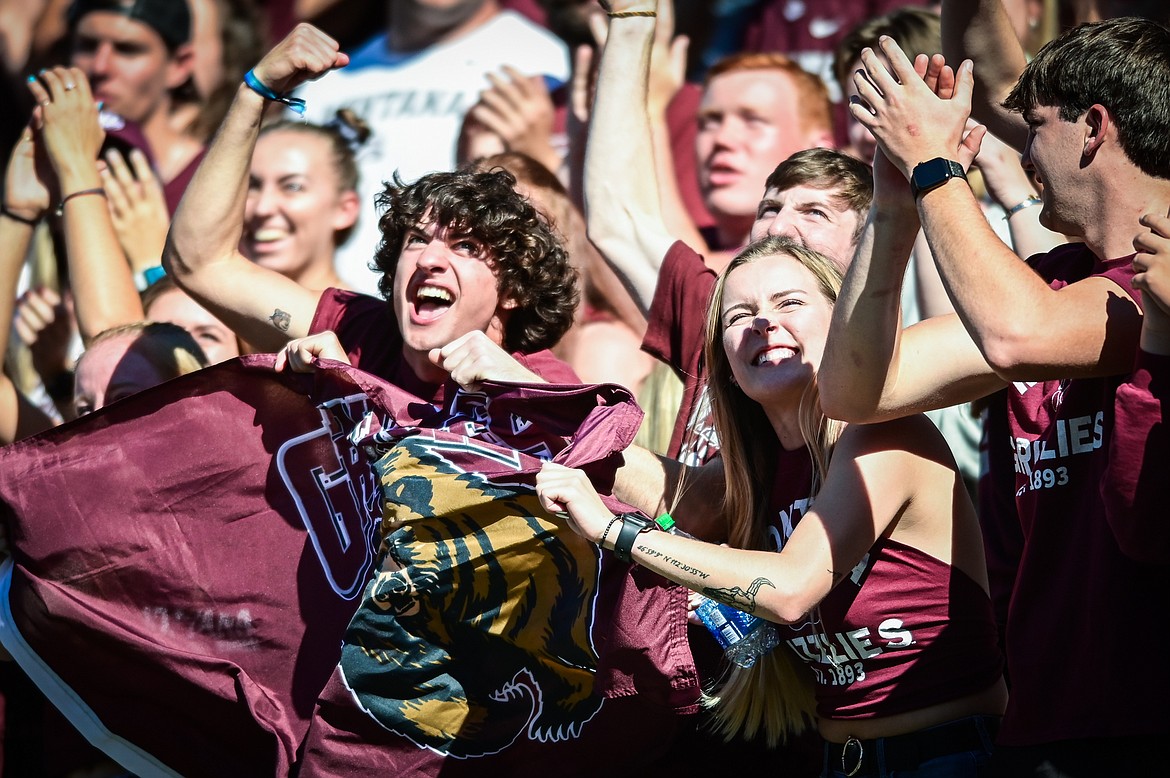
(171, 19)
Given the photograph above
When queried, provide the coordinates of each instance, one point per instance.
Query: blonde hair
(773, 697)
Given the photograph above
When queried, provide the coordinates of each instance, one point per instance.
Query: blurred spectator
(413, 84)
(805, 30)
(139, 59)
(164, 301)
(227, 38)
(604, 343)
(302, 198)
(130, 358)
(756, 111)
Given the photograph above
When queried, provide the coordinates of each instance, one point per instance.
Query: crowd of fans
(790, 228)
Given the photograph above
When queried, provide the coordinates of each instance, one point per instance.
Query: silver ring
(70, 86)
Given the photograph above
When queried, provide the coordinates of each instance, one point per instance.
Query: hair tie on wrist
(16, 217)
(608, 527)
(81, 193)
(295, 104)
(628, 14)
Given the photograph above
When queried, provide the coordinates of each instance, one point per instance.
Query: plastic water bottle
(743, 637)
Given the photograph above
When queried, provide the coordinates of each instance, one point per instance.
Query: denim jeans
(961, 764)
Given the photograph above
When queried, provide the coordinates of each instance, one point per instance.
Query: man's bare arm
(263, 307)
(979, 30)
(623, 211)
(1024, 329)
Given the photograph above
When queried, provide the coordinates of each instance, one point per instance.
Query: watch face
(638, 521)
(933, 171)
(927, 175)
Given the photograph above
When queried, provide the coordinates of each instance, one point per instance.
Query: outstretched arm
(980, 30)
(103, 285)
(26, 198)
(830, 539)
(1007, 308)
(655, 484)
(263, 307)
(622, 207)
(872, 369)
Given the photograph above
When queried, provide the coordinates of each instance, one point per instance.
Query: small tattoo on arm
(280, 319)
(683, 567)
(737, 597)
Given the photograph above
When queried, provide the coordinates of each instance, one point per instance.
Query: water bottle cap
(665, 522)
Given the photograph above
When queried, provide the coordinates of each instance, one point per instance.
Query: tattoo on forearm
(683, 567)
(737, 597)
(280, 319)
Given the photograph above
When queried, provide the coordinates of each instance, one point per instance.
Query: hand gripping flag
(185, 565)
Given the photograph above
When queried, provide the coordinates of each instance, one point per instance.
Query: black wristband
(632, 525)
(16, 217)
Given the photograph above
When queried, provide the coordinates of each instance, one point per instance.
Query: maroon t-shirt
(901, 632)
(1135, 487)
(1003, 542)
(369, 334)
(674, 334)
(173, 189)
(1080, 626)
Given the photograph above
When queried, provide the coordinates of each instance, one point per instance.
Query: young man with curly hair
(478, 285)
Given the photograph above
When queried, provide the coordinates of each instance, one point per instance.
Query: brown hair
(774, 696)
(528, 258)
(915, 30)
(1123, 64)
(849, 179)
(345, 134)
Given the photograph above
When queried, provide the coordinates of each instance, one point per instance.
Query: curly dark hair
(530, 263)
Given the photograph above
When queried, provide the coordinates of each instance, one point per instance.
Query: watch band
(934, 173)
(632, 525)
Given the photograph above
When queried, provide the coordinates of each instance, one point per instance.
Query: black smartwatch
(631, 525)
(934, 173)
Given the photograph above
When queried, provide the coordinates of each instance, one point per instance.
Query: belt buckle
(851, 743)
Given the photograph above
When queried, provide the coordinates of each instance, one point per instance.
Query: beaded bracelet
(608, 527)
(295, 104)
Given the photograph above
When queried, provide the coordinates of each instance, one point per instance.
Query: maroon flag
(185, 565)
(493, 640)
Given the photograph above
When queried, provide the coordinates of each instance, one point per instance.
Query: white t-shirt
(415, 106)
